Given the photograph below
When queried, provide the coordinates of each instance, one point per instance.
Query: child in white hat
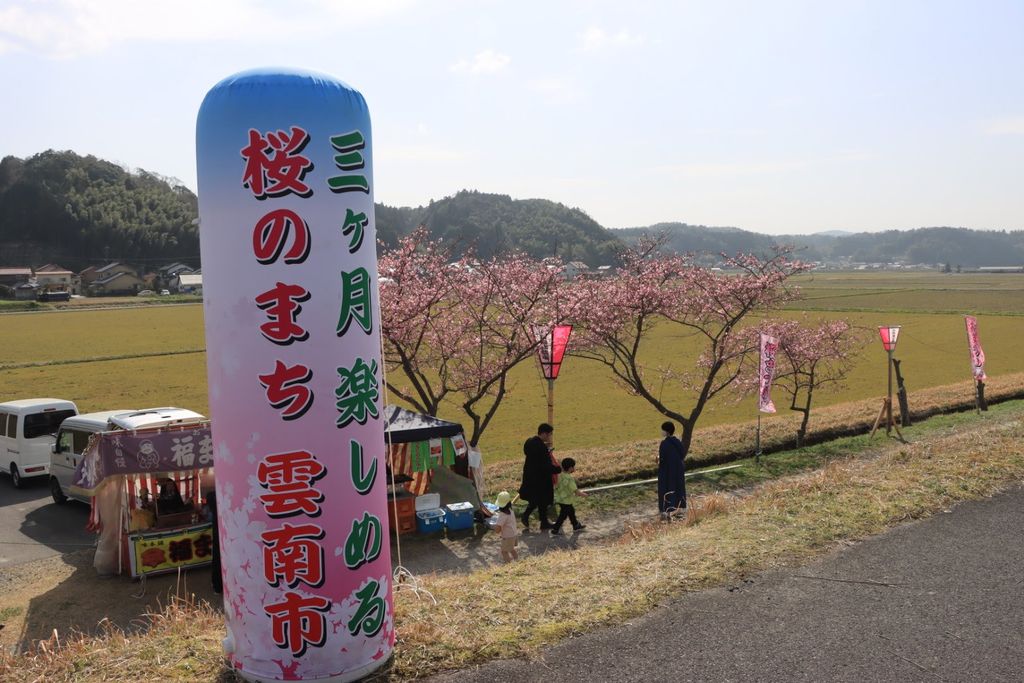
(507, 527)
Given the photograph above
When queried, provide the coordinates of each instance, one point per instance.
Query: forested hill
(494, 223)
(931, 246)
(955, 246)
(78, 211)
(700, 239)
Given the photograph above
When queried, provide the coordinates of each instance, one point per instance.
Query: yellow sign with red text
(156, 552)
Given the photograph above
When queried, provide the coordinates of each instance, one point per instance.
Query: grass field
(934, 292)
(591, 409)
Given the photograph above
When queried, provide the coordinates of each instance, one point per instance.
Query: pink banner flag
(977, 355)
(769, 347)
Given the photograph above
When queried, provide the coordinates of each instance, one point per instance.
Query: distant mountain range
(928, 246)
(79, 210)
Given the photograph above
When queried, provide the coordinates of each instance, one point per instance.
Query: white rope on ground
(638, 482)
(402, 578)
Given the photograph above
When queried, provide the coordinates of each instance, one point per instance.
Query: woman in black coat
(537, 488)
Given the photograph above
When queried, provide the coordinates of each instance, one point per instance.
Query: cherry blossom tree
(453, 330)
(419, 293)
(499, 303)
(813, 356)
(615, 318)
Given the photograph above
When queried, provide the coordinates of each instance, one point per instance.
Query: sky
(778, 117)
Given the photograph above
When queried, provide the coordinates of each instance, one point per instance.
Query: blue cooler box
(429, 515)
(458, 516)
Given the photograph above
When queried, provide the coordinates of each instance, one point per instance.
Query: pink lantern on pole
(551, 345)
(889, 335)
(551, 349)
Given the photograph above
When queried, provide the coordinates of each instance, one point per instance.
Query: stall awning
(405, 426)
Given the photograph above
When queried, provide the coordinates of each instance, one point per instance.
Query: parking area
(33, 527)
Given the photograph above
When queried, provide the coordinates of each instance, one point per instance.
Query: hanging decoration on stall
(143, 452)
(769, 349)
(294, 369)
(977, 354)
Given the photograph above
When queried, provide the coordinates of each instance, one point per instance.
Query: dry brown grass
(484, 615)
(179, 642)
(725, 443)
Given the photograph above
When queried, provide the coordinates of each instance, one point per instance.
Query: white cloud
(486, 62)
(596, 38)
(1010, 125)
(64, 29)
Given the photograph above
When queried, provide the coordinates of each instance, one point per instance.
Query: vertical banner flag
(977, 355)
(769, 347)
(288, 241)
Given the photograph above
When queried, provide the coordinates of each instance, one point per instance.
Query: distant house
(188, 283)
(26, 291)
(14, 276)
(54, 277)
(93, 274)
(575, 269)
(169, 271)
(120, 283)
(605, 271)
(1001, 269)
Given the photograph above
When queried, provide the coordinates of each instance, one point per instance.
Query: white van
(27, 428)
(74, 434)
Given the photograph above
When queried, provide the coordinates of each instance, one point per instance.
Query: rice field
(154, 357)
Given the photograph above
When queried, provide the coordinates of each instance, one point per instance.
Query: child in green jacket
(566, 493)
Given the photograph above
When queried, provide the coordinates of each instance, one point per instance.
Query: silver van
(74, 433)
(27, 428)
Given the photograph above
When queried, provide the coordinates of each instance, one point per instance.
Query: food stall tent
(429, 455)
(147, 488)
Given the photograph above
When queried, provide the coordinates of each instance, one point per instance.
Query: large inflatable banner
(293, 358)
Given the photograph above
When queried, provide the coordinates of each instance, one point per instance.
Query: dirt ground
(63, 593)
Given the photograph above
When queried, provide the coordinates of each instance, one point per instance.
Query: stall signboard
(169, 449)
(292, 316)
(157, 552)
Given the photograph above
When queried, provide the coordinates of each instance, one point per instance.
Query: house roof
(111, 278)
(16, 271)
(110, 266)
(51, 268)
(172, 268)
(190, 279)
(53, 271)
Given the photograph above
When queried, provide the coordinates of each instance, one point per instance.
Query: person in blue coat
(671, 471)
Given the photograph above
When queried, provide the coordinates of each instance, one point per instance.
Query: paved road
(32, 526)
(941, 599)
